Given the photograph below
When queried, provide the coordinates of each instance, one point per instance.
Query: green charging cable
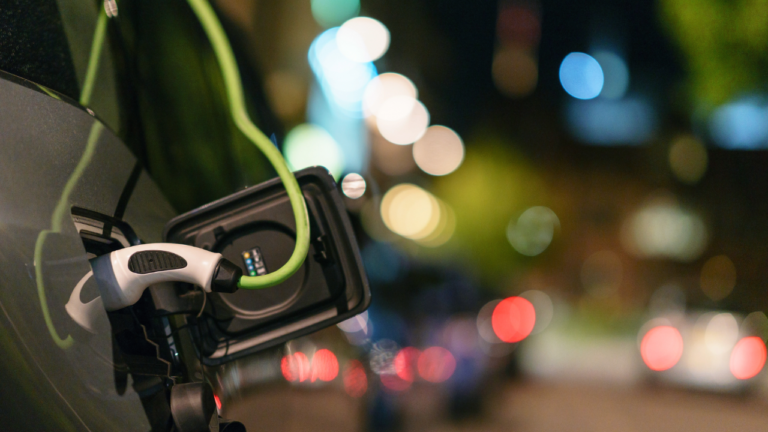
(231, 75)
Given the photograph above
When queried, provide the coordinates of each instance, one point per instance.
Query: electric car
(90, 95)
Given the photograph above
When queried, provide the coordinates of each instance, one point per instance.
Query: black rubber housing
(330, 286)
(226, 276)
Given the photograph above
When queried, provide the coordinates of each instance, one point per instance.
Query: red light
(218, 402)
(748, 357)
(436, 364)
(513, 319)
(661, 348)
(325, 366)
(295, 367)
(405, 363)
(394, 382)
(355, 379)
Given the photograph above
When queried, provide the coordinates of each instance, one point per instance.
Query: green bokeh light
(329, 13)
(308, 145)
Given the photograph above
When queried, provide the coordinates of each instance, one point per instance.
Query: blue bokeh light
(342, 80)
(611, 122)
(616, 74)
(741, 125)
(581, 76)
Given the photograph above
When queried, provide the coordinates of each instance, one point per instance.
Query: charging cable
(231, 75)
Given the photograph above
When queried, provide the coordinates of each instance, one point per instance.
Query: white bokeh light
(399, 125)
(439, 152)
(363, 39)
(384, 87)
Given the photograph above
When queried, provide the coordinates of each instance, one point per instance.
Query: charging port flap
(255, 228)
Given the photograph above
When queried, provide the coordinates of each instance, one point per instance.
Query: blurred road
(518, 407)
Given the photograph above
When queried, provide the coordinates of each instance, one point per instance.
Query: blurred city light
(383, 88)
(439, 152)
(718, 277)
(611, 122)
(756, 324)
(393, 382)
(601, 274)
(308, 145)
(436, 364)
(402, 120)
(329, 13)
(581, 76)
(342, 80)
(616, 74)
(688, 159)
(358, 323)
(444, 229)
(355, 379)
(414, 213)
(296, 367)
(485, 323)
(543, 307)
(748, 357)
(518, 25)
(661, 348)
(533, 231)
(325, 366)
(722, 333)
(740, 125)
(353, 185)
(382, 357)
(363, 39)
(513, 319)
(662, 229)
(515, 71)
(218, 402)
(406, 363)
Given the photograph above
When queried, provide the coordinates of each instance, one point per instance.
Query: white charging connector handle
(123, 275)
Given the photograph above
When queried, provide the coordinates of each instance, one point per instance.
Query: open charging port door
(255, 228)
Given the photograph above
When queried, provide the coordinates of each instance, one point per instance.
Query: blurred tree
(725, 43)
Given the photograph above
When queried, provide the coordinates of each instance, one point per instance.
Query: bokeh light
(721, 333)
(402, 120)
(740, 125)
(616, 74)
(414, 213)
(513, 319)
(688, 159)
(628, 121)
(661, 348)
(329, 13)
(363, 39)
(406, 363)
(533, 231)
(581, 76)
(382, 357)
(663, 229)
(515, 71)
(543, 308)
(308, 145)
(358, 323)
(343, 81)
(355, 379)
(325, 366)
(748, 357)
(353, 185)
(296, 367)
(383, 88)
(485, 324)
(602, 273)
(439, 152)
(393, 383)
(718, 277)
(436, 364)
(518, 26)
(756, 324)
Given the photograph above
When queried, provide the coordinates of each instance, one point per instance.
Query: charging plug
(123, 275)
